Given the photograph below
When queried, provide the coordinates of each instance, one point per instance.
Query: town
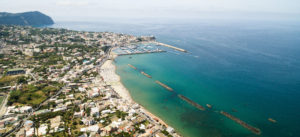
(52, 85)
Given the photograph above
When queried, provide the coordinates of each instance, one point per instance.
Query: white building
(94, 128)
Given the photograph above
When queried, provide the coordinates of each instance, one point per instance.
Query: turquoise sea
(250, 69)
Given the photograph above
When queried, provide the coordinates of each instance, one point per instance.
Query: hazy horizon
(93, 10)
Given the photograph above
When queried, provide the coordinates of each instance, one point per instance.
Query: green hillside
(25, 18)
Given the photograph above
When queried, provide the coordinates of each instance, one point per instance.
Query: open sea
(250, 69)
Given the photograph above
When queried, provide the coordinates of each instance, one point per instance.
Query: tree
(36, 124)
(22, 79)
(48, 128)
(88, 111)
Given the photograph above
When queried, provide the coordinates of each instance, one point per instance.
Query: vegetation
(166, 133)
(7, 62)
(31, 95)
(1, 99)
(106, 48)
(22, 80)
(26, 18)
(121, 114)
(52, 58)
(123, 134)
(8, 80)
(4, 34)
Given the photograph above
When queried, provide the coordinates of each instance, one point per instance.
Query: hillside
(25, 18)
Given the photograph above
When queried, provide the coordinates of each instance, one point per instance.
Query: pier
(147, 75)
(169, 46)
(242, 123)
(164, 85)
(191, 102)
(132, 66)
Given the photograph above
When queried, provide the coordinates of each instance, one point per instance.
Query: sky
(93, 9)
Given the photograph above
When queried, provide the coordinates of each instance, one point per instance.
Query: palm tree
(36, 124)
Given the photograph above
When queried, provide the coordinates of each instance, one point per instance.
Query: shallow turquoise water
(250, 67)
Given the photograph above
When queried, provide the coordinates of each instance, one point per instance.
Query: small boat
(208, 105)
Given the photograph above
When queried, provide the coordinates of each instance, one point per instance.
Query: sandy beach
(108, 72)
(111, 78)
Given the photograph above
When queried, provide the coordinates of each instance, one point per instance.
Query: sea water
(250, 69)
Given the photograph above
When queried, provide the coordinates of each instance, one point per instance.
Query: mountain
(25, 18)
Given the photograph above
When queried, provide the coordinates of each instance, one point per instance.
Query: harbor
(143, 48)
(137, 48)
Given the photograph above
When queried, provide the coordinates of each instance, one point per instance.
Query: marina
(242, 123)
(137, 48)
(145, 52)
(191, 102)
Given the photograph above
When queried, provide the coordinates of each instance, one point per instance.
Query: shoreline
(112, 78)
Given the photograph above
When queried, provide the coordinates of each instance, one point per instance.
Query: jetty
(147, 75)
(242, 123)
(169, 46)
(191, 102)
(132, 66)
(164, 85)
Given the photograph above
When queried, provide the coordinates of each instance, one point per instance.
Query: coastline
(112, 78)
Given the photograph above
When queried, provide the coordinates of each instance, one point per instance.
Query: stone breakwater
(169, 46)
(242, 123)
(191, 102)
(198, 106)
